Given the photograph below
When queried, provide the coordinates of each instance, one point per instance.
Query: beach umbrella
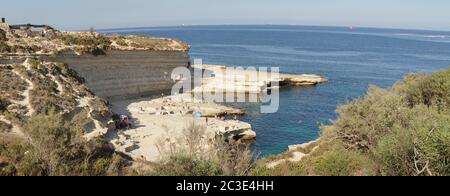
(198, 114)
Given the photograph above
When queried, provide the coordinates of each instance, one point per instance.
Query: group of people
(122, 122)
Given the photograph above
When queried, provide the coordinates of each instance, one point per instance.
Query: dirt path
(98, 129)
(58, 84)
(26, 94)
(15, 130)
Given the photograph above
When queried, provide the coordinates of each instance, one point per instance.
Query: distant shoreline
(355, 28)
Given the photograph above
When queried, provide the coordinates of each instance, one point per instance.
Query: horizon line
(300, 25)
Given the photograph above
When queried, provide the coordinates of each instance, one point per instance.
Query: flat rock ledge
(296, 153)
(250, 81)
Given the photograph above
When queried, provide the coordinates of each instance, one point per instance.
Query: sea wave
(419, 36)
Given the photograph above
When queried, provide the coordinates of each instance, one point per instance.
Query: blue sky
(82, 14)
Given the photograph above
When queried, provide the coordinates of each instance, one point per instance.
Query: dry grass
(150, 43)
(11, 85)
(194, 155)
(5, 127)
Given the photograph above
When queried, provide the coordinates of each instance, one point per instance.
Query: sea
(351, 58)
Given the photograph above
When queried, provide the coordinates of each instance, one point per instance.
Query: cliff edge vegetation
(44, 40)
(402, 131)
(45, 114)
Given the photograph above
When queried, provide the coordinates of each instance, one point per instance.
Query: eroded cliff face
(115, 67)
(119, 75)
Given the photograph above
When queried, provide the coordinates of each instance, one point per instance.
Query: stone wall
(126, 74)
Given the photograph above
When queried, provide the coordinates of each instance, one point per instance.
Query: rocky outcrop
(303, 146)
(224, 79)
(302, 79)
(296, 153)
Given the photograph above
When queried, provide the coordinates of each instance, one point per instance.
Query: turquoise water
(351, 58)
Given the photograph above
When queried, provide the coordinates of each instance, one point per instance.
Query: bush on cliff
(3, 104)
(189, 157)
(14, 87)
(11, 153)
(183, 165)
(55, 86)
(234, 161)
(54, 142)
(55, 149)
(3, 46)
(120, 40)
(405, 130)
(432, 91)
(333, 160)
(5, 127)
(3, 35)
(401, 131)
(423, 148)
(91, 43)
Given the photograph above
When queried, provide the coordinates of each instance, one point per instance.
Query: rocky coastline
(94, 57)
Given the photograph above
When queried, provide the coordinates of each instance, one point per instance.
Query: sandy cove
(164, 119)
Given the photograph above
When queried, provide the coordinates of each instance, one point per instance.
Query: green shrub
(362, 122)
(11, 153)
(100, 110)
(335, 161)
(122, 43)
(7, 170)
(4, 127)
(80, 121)
(120, 40)
(13, 117)
(56, 150)
(235, 159)
(189, 157)
(45, 94)
(3, 36)
(182, 165)
(4, 47)
(23, 49)
(3, 104)
(283, 169)
(404, 131)
(401, 131)
(432, 91)
(12, 85)
(90, 42)
(422, 149)
(341, 163)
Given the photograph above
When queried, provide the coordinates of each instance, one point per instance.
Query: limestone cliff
(126, 74)
(76, 73)
(44, 40)
(114, 67)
